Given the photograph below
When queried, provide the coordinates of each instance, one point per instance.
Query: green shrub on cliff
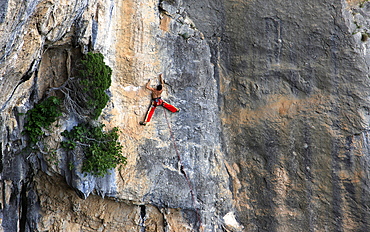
(85, 93)
(101, 149)
(362, 3)
(40, 118)
(95, 79)
(84, 97)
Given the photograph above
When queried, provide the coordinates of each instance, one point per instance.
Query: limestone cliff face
(273, 129)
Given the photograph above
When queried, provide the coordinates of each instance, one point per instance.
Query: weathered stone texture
(294, 80)
(273, 132)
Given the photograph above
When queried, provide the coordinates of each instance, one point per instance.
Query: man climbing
(157, 101)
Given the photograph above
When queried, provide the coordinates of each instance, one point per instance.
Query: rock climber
(157, 101)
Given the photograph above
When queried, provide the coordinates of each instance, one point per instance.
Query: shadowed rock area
(273, 132)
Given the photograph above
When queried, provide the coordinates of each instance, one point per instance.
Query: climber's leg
(149, 115)
(170, 107)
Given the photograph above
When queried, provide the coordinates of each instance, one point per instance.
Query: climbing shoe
(142, 123)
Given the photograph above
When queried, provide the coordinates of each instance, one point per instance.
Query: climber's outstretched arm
(161, 79)
(148, 86)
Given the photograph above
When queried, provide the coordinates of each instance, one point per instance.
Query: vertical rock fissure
(307, 170)
(1, 150)
(142, 217)
(337, 196)
(24, 208)
(165, 221)
(33, 68)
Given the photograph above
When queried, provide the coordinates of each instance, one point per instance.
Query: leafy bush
(95, 79)
(362, 3)
(41, 117)
(102, 149)
(84, 97)
(85, 94)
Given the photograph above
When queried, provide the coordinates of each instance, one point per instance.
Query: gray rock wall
(293, 83)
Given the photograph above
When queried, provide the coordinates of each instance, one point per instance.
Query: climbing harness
(183, 172)
(154, 103)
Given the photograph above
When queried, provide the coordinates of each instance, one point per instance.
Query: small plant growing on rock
(95, 79)
(87, 100)
(85, 94)
(364, 36)
(185, 35)
(362, 3)
(84, 97)
(40, 118)
(102, 149)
